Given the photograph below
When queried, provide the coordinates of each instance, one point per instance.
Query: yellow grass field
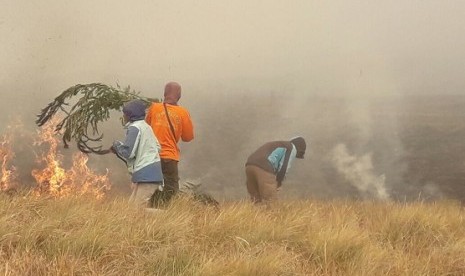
(82, 236)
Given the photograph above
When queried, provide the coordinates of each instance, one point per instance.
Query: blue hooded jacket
(140, 150)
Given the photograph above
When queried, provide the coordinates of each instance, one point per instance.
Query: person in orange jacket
(170, 122)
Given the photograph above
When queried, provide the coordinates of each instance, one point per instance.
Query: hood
(299, 143)
(135, 110)
(172, 93)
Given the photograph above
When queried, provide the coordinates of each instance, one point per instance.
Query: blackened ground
(417, 142)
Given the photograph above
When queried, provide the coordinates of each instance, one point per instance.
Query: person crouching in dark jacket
(266, 168)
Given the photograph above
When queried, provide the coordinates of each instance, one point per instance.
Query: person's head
(172, 93)
(134, 111)
(300, 146)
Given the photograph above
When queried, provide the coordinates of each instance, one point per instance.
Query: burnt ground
(417, 142)
(433, 134)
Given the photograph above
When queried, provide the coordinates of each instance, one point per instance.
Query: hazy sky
(322, 47)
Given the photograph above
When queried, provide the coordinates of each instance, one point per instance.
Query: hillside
(82, 236)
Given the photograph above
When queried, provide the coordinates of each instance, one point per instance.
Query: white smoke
(431, 191)
(358, 170)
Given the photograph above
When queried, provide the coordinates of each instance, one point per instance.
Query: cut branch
(81, 120)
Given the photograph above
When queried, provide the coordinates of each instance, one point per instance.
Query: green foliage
(93, 106)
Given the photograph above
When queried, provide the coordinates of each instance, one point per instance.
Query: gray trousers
(142, 194)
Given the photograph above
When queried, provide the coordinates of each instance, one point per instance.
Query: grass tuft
(80, 236)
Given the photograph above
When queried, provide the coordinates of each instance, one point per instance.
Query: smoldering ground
(405, 148)
(383, 81)
(407, 151)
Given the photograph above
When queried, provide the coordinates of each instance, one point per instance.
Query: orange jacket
(182, 124)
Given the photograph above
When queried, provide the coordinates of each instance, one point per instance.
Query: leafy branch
(93, 106)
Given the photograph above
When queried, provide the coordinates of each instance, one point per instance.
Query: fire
(9, 176)
(54, 180)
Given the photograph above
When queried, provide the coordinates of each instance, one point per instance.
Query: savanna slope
(82, 236)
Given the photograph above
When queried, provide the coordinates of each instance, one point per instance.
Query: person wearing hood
(266, 168)
(171, 123)
(140, 151)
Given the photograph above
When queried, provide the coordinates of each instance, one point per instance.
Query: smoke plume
(359, 172)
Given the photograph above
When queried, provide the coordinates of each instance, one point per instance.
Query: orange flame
(9, 176)
(55, 181)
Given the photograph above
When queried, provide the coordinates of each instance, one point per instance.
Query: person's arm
(148, 117)
(187, 128)
(157, 144)
(127, 149)
(282, 172)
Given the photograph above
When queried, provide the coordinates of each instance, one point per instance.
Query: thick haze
(310, 46)
(251, 71)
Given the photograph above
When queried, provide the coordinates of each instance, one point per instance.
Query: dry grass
(85, 237)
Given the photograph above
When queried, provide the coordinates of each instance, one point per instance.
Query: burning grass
(52, 178)
(81, 236)
(8, 179)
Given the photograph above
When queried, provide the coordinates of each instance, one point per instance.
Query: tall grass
(81, 236)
